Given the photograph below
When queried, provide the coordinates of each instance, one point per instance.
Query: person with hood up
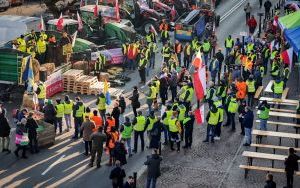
(20, 131)
(116, 114)
(68, 109)
(248, 124)
(135, 103)
(49, 112)
(212, 119)
(126, 132)
(31, 127)
(153, 168)
(117, 176)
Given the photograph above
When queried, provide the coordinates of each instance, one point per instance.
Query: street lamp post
(259, 28)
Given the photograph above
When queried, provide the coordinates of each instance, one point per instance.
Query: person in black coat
(116, 115)
(248, 124)
(135, 103)
(120, 152)
(4, 133)
(291, 165)
(188, 124)
(129, 183)
(21, 130)
(117, 176)
(31, 127)
(153, 168)
(155, 133)
(242, 112)
(122, 103)
(49, 112)
(269, 181)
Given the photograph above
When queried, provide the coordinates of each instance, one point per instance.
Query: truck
(4, 5)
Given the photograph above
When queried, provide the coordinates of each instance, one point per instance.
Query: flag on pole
(74, 36)
(199, 91)
(199, 115)
(287, 57)
(28, 75)
(106, 92)
(173, 13)
(153, 30)
(117, 11)
(80, 24)
(42, 24)
(60, 23)
(275, 21)
(96, 9)
(197, 62)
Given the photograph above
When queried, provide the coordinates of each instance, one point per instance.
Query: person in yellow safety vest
(32, 36)
(142, 68)
(21, 44)
(41, 50)
(206, 47)
(195, 44)
(68, 110)
(250, 47)
(43, 35)
(182, 112)
(101, 104)
(78, 111)
(166, 52)
(262, 71)
(189, 94)
(174, 130)
(274, 54)
(229, 43)
(219, 104)
(151, 97)
(139, 129)
(151, 120)
(212, 119)
(31, 49)
(59, 110)
(182, 91)
(232, 109)
(41, 95)
(210, 94)
(222, 90)
(252, 56)
(126, 130)
(264, 115)
(153, 49)
(99, 65)
(164, 36)
(187, 55)
(286, 74)
(165, 119)
(150, 37)
(250, 90)
(277, 88)
(274, 70)
(146, 52)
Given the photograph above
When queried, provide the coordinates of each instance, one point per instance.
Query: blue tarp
(293, 37)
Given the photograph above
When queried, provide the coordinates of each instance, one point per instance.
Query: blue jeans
(152, 61)
(58, 124)
(41, 104)
(206, 58)
(78, 121)
(228, 50)
(248, 136)
(68, 120)
(210, 132)
(263, 124)
(151, 181)
(131, 64)
(128, 143)
(166, 131)
(149, 103)
(277, 96)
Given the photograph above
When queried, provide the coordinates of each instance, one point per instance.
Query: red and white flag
(199, 82)
(199, 115)
(287, 57)
(60, 23)
(197, 62)
(42, 24)
(96, 9)
(275, 21)
(117, 11)
(173, 13)
(82, 3)
(80, 24)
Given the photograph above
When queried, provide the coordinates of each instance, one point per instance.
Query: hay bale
(50, 67)
(83, 65)
(28, 101)
(36, 70)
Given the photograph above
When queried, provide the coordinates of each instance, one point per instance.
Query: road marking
(53, 164)
(231, 10)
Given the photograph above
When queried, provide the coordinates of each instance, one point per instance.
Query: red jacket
(252, 22)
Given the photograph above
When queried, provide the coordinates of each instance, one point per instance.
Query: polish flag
(60, 23)
(275, 21)
(173, 13)
(199, 115)
(96, 9)
(197, 62)
(117, 11)
(42, 24)
(199, 82)
(80, 24)
(287, 57)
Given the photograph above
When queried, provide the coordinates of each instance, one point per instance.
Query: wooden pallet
(72, 75)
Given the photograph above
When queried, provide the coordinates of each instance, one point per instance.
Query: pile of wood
(83, 84)
(70, 78)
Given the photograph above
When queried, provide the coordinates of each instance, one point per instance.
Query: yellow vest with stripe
(41, 46)
(68, 107)
(166, 52)
(250, 86)
(42, 94)
(140, 123)
(80, 111)
(168, 116)
(59, 110)
(213, 118)
(172, 125)
(233, 106)
(274, 73)
(102, 105)
(250, 47)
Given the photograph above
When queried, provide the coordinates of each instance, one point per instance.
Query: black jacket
(135, 99)
(117, 175)
(49, 113)
(220, 57)
(270, 184)
(4, 127)
(153, 163)
(31, 127)
(291, 163)
(248, 119)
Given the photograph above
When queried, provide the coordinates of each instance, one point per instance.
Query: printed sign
(54, 84)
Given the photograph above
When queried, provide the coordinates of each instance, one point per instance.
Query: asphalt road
(64, 165)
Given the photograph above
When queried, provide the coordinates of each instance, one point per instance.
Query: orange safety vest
(241, 90)
(132, 51)
(111, 123)
(163, 26)
(113, 139)
(98, 122)
(177, 48)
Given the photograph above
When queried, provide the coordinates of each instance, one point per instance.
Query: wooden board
(258, 92)
(268, 89)
(273, 147)
(282, 114)
(259, 155)
(294, 102)
(265, 169)
(285, 93)
(281, 123)
(276, 134)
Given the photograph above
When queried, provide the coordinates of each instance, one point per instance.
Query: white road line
(52, 165)
(231, 10)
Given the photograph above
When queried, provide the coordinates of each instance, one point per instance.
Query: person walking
(101, 104)
(187, 55)
(117, 176)
(167, 114)
(232, 109)
(31, 127)
(78, 111)
(139, 129)
(129, 183)
(247, 10)
(252, 23)
(229, 43)
(68, 109)
(150, 97)
(87, 128)
(220, 58)
(291, 165)
(277, 88)
(98, 139)
(59, 109)
(112, 137)
(97, 121)
(126, 133)
(4, 133)
(163, 88)
(248, 124)
(142, 68)
(21, 132)
(120, 152)
(153, 168)
(212, 119)
(155, 134)
(267, 6)
(150, 121)
(178, 50)
(242, 112)
(173, 84)
(218, 103)
(175, 130)
(269, 181)
(135, 103)
(116, 114)
(41, 95)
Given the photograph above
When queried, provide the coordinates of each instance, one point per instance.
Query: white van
(4, 4)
